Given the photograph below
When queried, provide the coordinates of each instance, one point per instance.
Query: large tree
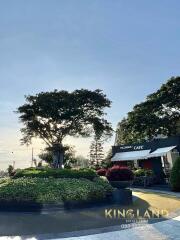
(52, 116)
(158, 115)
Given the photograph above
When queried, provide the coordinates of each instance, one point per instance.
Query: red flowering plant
(102, 172)
(119, 173)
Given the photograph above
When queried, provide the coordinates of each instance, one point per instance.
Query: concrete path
(175, 194)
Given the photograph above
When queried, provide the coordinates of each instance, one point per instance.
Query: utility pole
(32, 157)
(13, 162)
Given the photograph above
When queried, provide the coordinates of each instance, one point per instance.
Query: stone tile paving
(166, 230)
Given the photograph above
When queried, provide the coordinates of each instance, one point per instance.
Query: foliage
(96, 152)
(144, 180)
(175, 175)
(56, 173)
(118, 173)
(69, 156)
(52, 116)
(143, 172)
(106, 162)
(4, 180)
(123, 136)
(102, 172)
(46, 156)
(52, 190)
(103, 182)
(158, 115)
(81, 162)
(3, 174)
(11, 170)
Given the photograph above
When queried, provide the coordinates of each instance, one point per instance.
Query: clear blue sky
(127, 48)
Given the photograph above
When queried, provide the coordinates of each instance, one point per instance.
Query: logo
(135, 214)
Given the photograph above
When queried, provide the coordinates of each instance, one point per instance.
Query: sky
(126, 48)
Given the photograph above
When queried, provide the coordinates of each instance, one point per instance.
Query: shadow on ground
(56, 222)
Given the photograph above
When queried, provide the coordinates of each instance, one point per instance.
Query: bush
(56, 173)
(11, 170)
(143, 172)
(149, 173)
(118, 173)
(104, 182)
(101, 172)
(52, 190)
(175, 176)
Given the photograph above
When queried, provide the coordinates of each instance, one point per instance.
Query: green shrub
(139, 173)
(175, 175)
(103, 182)
(56, 173)
(53, 190)
(4, 180)
(11, 170)
(143, 172)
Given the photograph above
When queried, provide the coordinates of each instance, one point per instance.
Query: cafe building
(158, 155)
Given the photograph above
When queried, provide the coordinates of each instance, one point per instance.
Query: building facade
(158, 155)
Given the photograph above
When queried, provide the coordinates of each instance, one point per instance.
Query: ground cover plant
(51, 190)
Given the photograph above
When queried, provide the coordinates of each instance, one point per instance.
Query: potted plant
(120, 177)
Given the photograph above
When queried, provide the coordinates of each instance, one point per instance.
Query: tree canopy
(52, 116)
(158, 115)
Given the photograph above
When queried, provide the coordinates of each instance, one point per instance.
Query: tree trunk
(58, 156)
(55, 159)
(61, 159)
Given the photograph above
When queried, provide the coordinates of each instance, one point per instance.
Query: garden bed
(34, 194)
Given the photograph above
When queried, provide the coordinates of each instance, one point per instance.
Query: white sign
(132, 147)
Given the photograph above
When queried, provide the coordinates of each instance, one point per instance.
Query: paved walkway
(169, 229)
(176, 194)
(166, 230)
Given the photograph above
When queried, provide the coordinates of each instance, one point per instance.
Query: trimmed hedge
(37, 190)
(175, 176)
(56, 173)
